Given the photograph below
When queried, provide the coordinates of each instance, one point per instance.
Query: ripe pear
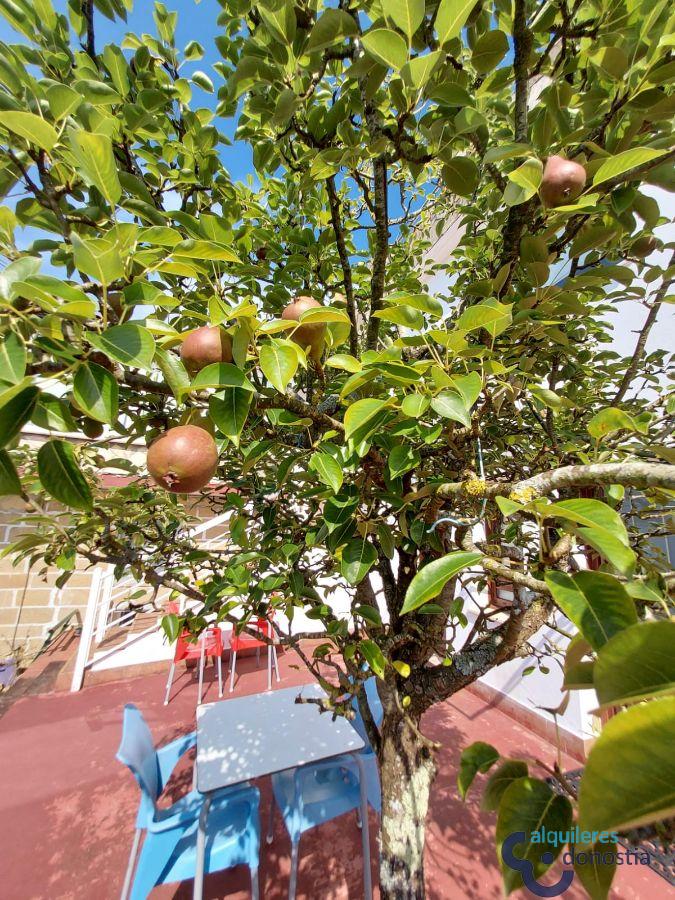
(183, 460)
(310, 335)
(204, 346)
(91, 428)
(643, 246)
(562, 182)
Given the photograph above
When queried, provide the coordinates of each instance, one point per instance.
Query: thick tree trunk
(407, 769)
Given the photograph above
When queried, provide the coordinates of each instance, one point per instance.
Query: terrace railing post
(87, 631)
(104, 603)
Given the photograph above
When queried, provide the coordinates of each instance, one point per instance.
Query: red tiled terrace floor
(67, 806)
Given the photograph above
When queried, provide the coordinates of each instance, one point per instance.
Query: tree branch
(88, 13)
(638, 353)
(640, 475)
(334, 202)
(381, 249)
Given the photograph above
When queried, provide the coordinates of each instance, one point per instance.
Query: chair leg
(255, 888)
(269, 667)
(201, 675)
(276, 662)
(293, 885)
(257, 657)
(220, 676)
(131, 865)
(270, 822)
(169, 683)
(233, 666)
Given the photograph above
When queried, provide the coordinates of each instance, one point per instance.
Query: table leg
(365, 833)
(201, 847)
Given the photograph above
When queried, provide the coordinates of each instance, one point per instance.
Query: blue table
(245, 738)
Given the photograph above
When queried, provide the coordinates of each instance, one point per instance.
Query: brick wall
(27, 597)
(33, 599)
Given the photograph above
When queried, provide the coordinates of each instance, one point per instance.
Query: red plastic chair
(208, 644)
(239, 642)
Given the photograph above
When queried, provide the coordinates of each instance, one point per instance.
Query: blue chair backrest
(137, 751)
(374, 704)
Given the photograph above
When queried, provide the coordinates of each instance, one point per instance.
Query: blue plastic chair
(318, 792)
(169, 849)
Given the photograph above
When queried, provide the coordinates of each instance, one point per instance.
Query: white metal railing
(102, 613)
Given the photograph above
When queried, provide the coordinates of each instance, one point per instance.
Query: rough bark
(407, 770)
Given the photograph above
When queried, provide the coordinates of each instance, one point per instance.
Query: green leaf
(9, 479)
(451, 17)
(595, 602)
(624, 162)
(528, 805)
(614, 551)
(373, 656)
(358, 557)
(636, 663)
(174, 372)
(332, 27)
(52, 414)
(547, 397)
(417, 72)
(451, 406)
(95, 393)
(404, 315)
(402, 668)
(414, 405)
(98, 257)
(324, 314)
(61, 477)
(361, 413)
(492, 315)
(96, 163)
(328, 469)
(210, 250)
(279, 17)
(129, 344)
(220, 375)
(489, 50)
(610, 420)
(508, 507)
(344, 361)
(116, 64)
(594, 873)
(96, 92)
(401, 459)
(202, 80)
(16, 407)
(469, 386)
(385, 46)
(479, 757)
(460, 175)
(523, 182)
(430, 580)
(500, 779)
(12, 358)
(629, 778)
(63, 100)
(171, 626)
(279, 363)
(591, 513)
(406, 15)
(229, 410)
(31, 127)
